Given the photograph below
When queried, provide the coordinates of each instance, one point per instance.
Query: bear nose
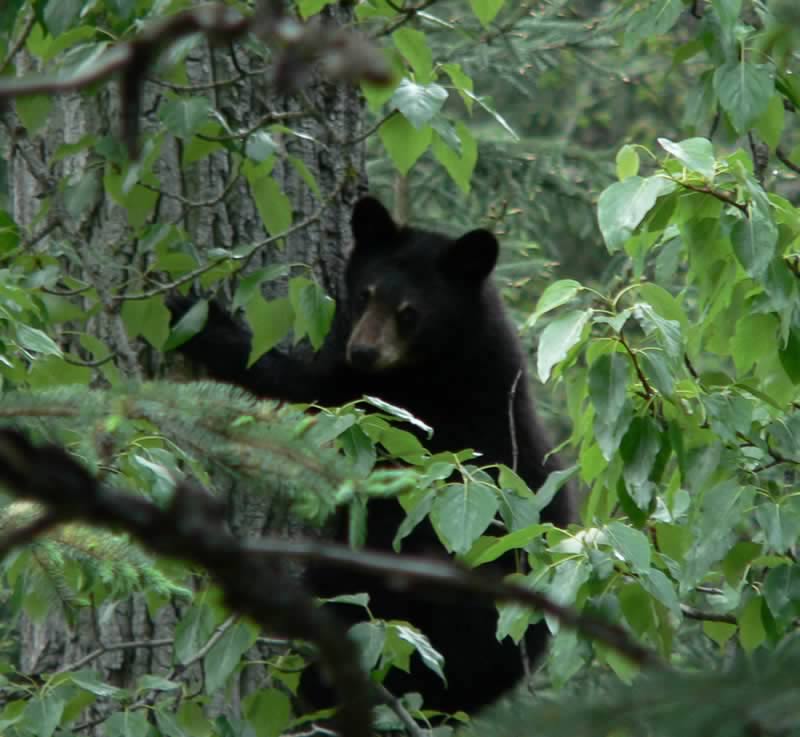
(364, 356)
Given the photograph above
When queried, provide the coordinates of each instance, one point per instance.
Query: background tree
(640, 158)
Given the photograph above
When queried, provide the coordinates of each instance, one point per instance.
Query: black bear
(423, 327)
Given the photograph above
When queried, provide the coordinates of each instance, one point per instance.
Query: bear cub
(423, 327)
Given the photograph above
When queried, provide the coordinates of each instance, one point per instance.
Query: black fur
(459, 361)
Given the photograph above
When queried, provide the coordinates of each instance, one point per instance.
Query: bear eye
(406, 318)
(363, 297)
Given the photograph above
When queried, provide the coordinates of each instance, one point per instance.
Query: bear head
(412, 294)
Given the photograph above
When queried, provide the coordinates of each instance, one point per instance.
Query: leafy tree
(669, 330)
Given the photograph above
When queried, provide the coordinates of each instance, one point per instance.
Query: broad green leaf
(61, 15)
(512, 541)
(633, 545)
(273, 205)
(771, 124)
(751, 625)
(558, 338)
(403, 142)
(608, 386)
(250, 285)
(184, 116)
(459, 166)
(627, 162)
(225, 655)
(639, 448)
(654, 19)
(696, 154)
(721, 511)
(370, 637)
(623, 206)
(790, 356)
(462, 512)
(268, 711)
(187, 327)
(667, 333)
(744, 91)
(430, 656)
(754, 239)
(413, 45)
(270, 322)
(34, 111)
(43, 714)
(555, 295)
(780, 523)
(782, 592)
(462, 82)
(308, 8)
(33, 339)
(419, 103)
(657, 584)
(81, 194)
(399, 413)
(193, 631)
(127, 724)
(313, 310)
(728, 12)
(486, 10)
(150, 319)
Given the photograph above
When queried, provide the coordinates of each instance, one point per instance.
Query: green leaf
(754, 239)
(33, 339)
(313, 310)
(43, 714)
(608, 386)
(270, 322)
(696, 154)
(782, 593)
(627, 162)
(268, 711)
(81, 193)
(419, 103)
(192, 631)
(430, 656)
(631, 544)
(127, 724)
(462, 512)
(187, 327)
(555, 295)
(403, 142)
(273, 205)
(413, 45)
(370, 637)
(558, 338)
(771, 124)
(308, 8)
(398, 412)
(623, 206)
(657, 584)
(61, 15)
(184, 116)
(486, 10)
(34, 111)
(667, 333)
(751, 625)
(790, 356)
(225, 655)
(639, 448)
(744, 91)
(150, 318)
(654, 19)
(459, 166)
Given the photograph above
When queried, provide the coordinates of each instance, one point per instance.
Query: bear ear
(473, 256)
(371, 223)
